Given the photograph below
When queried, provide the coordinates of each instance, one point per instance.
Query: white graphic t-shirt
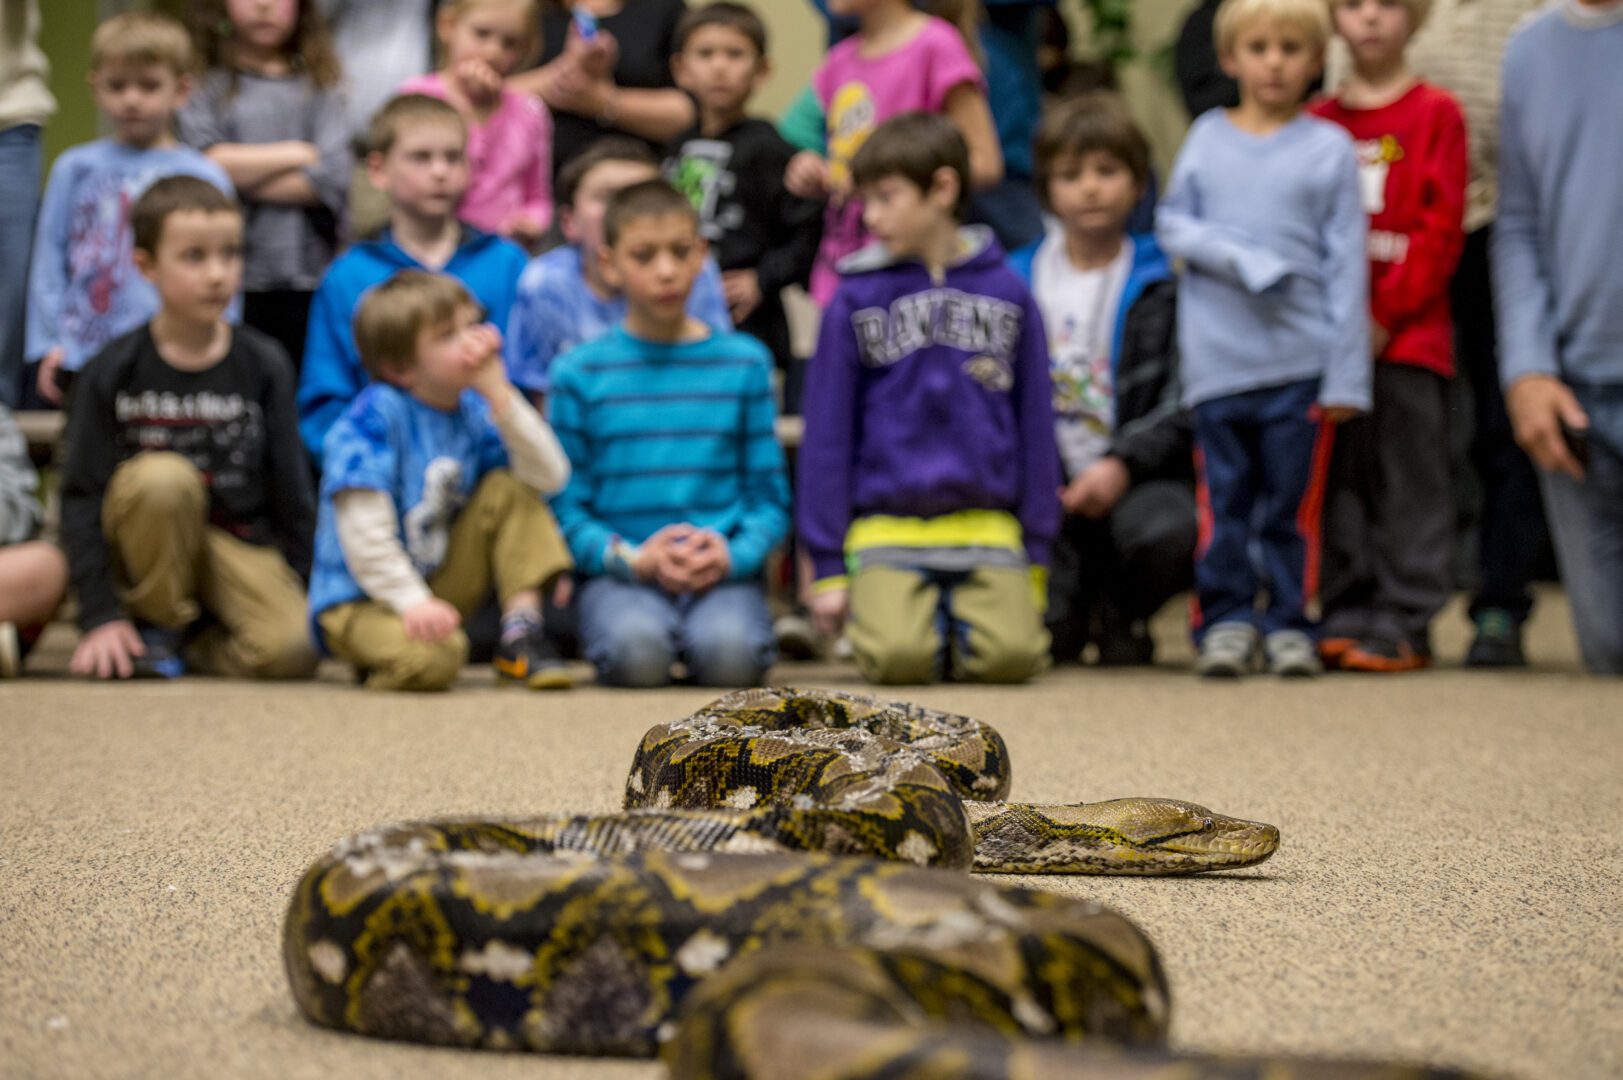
(1079, 308)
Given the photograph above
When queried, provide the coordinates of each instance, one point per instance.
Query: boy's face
(197, 267)
(1376, 31)
(720, 67)
(904, 217)
(425, 172)
(139, 99)
(1274, 62)
(1093, 192)
(654, 263)
(582, 223)
(447, 357)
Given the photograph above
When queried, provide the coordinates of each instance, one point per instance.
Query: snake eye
(1207, 824)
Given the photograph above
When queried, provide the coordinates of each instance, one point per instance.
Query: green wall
(65, 29)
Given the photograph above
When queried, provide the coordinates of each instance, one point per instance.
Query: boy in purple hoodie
(929, 476)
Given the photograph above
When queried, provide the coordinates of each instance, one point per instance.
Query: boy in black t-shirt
(187, 513)
(731, 167)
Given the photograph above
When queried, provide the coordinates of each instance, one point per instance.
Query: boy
(33, 573)
(1109, 302)
(1264, 209)
(185, 494)
(429, 499)
(83, 290)
(679, 492)
(732, 167)
(419, 160)
(564, 298)
(1559, 297)
(928, 465)
(1389, 516)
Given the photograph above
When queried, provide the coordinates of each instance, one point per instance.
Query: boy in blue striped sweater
(678, 491)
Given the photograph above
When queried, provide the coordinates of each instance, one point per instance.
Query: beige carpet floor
(1448, 889)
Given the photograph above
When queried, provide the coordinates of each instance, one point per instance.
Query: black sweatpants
(1136, 559)
(1389, 513)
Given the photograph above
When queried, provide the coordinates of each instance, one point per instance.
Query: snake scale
(788, 865)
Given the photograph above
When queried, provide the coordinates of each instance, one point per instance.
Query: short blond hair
(406, 111)
(391, 316)
(1310, 16)
(1419, 11)
(142, 37)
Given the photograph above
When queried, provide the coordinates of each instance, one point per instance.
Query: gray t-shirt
(289, 247)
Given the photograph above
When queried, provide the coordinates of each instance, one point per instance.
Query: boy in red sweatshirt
(1388, 525)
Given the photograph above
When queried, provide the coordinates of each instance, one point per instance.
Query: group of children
(972, 417)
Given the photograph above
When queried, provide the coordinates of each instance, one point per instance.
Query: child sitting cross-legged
(928, 470)
(430, 499)
(679, 491)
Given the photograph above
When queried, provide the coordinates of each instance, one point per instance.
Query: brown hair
(915, 146)
(1097, 121)
(171, 195)
(650, 198)
(391, 316)
(722, 13)
(309, 47)
(142, 37)
(405, 111)
(608, 148)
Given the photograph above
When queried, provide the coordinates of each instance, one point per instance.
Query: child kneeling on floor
(431, 498)
(929, 467)
(186, 506)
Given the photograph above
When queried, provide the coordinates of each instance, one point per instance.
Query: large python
(586, 933)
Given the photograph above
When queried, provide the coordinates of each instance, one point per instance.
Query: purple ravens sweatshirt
(928, 398)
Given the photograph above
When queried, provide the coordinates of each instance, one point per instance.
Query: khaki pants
(175, 567)
(897, 616)
(505, 538)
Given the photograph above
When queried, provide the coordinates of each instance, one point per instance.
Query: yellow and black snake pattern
(588, 933)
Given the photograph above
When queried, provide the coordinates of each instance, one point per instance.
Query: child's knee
(423, 665)
(500, 486)
(1012, 659)
(280, 653)
(160, 483)
(897, 662)
(734, 660)
(637, 654)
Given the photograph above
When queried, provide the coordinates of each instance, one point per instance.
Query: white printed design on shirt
(428, 524)
(1375, 160)
(959, 320)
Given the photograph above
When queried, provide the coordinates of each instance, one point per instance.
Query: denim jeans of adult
(1586, 522)
(19, 203)
(633, 632)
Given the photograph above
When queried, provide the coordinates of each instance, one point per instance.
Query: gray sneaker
(1292, 655)
(1227, 651)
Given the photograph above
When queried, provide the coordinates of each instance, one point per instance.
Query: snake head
(1144, 836)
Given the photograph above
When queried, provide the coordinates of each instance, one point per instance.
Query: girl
(509, 132)
(270, 113)
(900, 59)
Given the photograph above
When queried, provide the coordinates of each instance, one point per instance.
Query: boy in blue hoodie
(419, 160)
(1109, 301)
(928, 474)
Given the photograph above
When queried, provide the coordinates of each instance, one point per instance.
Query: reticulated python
(606, 934)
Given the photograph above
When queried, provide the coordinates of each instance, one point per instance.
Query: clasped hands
(683, 558)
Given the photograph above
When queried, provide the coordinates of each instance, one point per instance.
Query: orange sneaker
(1332, 649)
(1384, 655)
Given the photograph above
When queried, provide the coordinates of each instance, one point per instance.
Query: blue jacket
(332, 375)
(1151, 435)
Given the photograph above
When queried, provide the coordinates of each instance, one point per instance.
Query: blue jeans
(1586, 522)
(632, 633)
(19, 203)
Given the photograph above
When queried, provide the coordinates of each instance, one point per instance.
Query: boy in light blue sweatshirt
(1265, 211)
(1559, 297)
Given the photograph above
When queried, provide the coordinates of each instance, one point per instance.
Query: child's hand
(487, 375)
(742, 288)
(1339, 414)
(807, 175)
(829, 609)
(701, 561)
(650, 563)
(432, 620)
(49, 365)
(479, 81)
(108, 651)
(523, 229)
(1097, 489)
(1379, 339)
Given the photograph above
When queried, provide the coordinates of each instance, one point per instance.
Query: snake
(765, 837)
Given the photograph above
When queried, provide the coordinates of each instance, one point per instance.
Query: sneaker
(1125, 645)
(1498, 641)
(1332, 649)
(1385, 655)
(1293, 655)
(797, 638)
(531, 659)
(162, 659)
(1228, 651)
(11, 651)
